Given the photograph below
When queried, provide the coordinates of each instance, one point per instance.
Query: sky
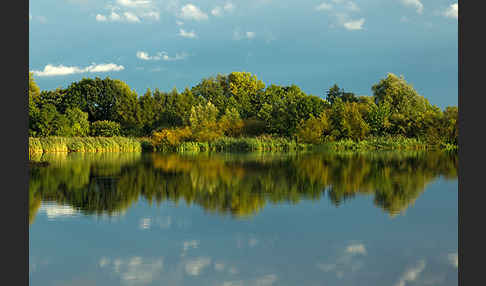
(313, 44)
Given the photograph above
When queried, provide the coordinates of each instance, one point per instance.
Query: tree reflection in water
(236, 184)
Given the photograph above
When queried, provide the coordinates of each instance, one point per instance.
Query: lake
(388, 218)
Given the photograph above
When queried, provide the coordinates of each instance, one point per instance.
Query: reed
(381, 143)
(83, 144)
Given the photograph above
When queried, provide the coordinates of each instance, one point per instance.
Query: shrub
(105, 128)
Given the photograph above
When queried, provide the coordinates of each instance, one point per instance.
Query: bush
(105, 128)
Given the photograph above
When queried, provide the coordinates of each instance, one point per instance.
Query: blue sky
(314, 44)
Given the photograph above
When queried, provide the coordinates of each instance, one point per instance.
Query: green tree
(231, 122)
(204, 124)
(78, 122)
(335, 92)
(34, 112)
(105, 128)
(45, 124)
(313, 130)
(247, 90)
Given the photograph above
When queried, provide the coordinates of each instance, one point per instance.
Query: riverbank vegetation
(237, 112)
(83, 144)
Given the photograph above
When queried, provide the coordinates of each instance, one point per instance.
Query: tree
(346, 121)
(34, 89)
(105, 128)
(231, 122)
(406, 107)
(204, 125)
(78, 122)
(148, 112)
(125, 109)
(449, 130)
(313, 130)
(45, 124)
(247, 90)
(335, 92)
(34, 112)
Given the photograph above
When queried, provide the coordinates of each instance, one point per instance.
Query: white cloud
(341, 12)
(452, 11)
(414, 3)
(104, 68)
(347, 261)
(132, 11)
(130, 17)
(179, 23)
(127, 16)
(411, 274)
(51, 70)
(354, 24)
(192, 12)
(453, 259)
(195, 266)
(187, 34)
(324, 7)
(219, 11)
(160, 56)
(53, 210)
(250, 35)
(135, 270)
(133, 3)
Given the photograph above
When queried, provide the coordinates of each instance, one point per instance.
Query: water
(229, 219)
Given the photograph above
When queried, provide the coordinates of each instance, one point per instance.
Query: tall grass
(380, 143)
(230, 144)
(82, 144)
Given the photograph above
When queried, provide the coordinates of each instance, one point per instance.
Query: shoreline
(43, 145)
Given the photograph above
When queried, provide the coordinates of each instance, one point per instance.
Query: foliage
(240, 105)
(204, 122)
(169, 139)
(335, 93)
(231, 123)
(105, 128)
(313, 129)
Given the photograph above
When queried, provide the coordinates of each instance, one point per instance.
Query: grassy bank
(83, 144)
(386, 143)
(228, 144)
(225, 144)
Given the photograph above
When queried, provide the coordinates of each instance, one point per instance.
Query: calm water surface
(228, 219)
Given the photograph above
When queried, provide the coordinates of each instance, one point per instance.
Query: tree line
(238, 105)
